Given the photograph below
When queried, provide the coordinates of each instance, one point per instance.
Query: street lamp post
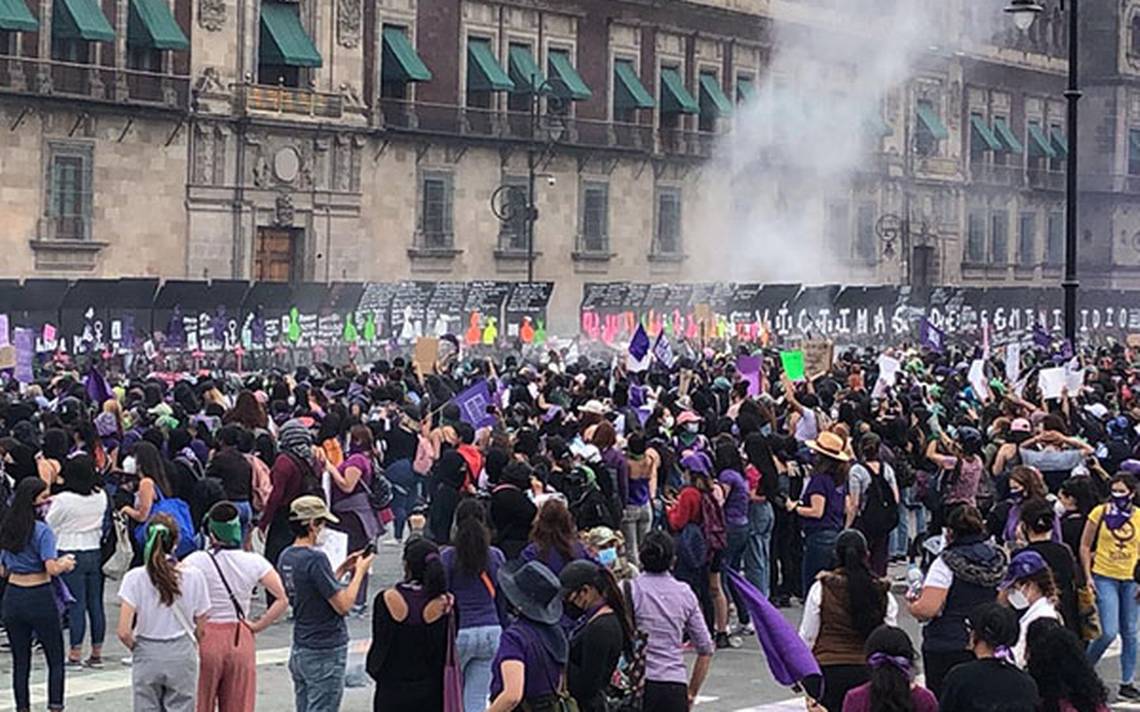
(1024, 12)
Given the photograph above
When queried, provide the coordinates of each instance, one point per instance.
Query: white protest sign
(1012, 361)
(977, 379)
(1051, 381)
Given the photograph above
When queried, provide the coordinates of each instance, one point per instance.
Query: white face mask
(667, 422)
(1018, 600)
(693, 427)
(130, 466)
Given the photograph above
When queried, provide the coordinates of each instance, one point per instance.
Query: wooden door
(276, 259)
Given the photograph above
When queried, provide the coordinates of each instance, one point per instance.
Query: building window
(865, 233)
(929, 129)
(1134, 35)
(523, 96)
(1059, 139)
(838, 227)
(436, 211)
(595, 218)
(1134, 152)
(512, 230)
(976, 238)
(144, 59)
(1027, 240)
(68, 203)
(667, 233)
(68, 50)
(7, 43)
(1054, 248)
(999, 237)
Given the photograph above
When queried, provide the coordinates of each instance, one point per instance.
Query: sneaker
(735, 641)
(1129, 692)
(94, 663)
(747, 629)
(74, 665)
(722, 641)
(128, 661)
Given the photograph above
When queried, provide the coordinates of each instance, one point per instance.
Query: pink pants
(227, 676)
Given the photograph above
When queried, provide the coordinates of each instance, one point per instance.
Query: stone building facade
(350, 140)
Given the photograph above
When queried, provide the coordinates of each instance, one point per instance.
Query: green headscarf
(153, 532)
(228, 533)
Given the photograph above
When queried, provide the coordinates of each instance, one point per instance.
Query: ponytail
(866, 599)
(614, 596)
(161, 540)
(421, 556)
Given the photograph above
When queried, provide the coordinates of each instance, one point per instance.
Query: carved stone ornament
(209, 82)
(348, 22)
(283, 215)
(212, 14)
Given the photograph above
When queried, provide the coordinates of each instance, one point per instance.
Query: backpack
(607, 481)
(178, 510)
(626, 690)
(712, 524)
(192, 464)
(585, 500)
(380, 492)
(880, 515)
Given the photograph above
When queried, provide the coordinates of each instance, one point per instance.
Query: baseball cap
(310, 507)
(1024, 564)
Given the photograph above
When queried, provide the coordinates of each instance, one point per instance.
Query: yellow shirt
(1116, 551)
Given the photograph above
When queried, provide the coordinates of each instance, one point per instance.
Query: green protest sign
(793, 363)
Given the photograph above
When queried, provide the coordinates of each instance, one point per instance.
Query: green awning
(712, 97)
(1005, 135)
(483, 70)
(929, 118)
(400, 62)
(564, 78)
(1039, 143)
(15, 17)
(1060, 142)
(152, 25)
(524, 71)
(283, 39)
(80, 20)
(675, 98)
(980, 132)
(628, 90)
(745, 90)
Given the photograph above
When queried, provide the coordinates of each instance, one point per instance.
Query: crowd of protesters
(569, 538)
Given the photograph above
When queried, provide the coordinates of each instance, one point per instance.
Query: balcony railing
(996, 174)
(292, 101)
(1046, 179)
(95, 82)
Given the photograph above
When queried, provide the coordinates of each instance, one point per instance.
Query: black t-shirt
(231, 467)
(1065, 573)
(594, 654)
(988, 685)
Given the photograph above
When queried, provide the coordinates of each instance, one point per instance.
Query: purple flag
(931, 336)
(663, 350)
(789, 658)
(473, 404)
(749, 369)
(25, 342)
(96, 386)
(1041, 337)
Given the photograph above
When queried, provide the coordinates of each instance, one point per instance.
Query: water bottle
(913, 582)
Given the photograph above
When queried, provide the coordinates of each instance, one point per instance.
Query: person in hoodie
(966, 574)
(450, 475)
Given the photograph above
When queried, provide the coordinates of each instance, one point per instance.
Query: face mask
(1121, 501)
(667, 422)
(322, 536)
(1018, 600)
(130, 466)
(693, 427)
(42, 509)
(572, 610)
(607, 557)
(1017, 495)
(766, 431)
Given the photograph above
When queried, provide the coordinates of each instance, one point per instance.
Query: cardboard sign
(426, 354)
(706, 322)
(7, 357)
(818, 356)
(793, 363)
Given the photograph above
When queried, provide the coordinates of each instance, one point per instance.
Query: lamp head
(1024, 12)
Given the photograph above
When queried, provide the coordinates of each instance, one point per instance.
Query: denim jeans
(476, 648)
(761, 520)
(1116, 602)
(85, 582)
(819, 555)
(900, 538)
(318, 678)
(734, 560)
(30, 614)
(635, 524)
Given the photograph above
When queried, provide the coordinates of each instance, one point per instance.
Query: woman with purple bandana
(1110, 548)
(891, 659)
(992, 681)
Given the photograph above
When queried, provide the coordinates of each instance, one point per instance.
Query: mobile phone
(369, 550)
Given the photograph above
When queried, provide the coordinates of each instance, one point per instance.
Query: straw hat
(830, 445)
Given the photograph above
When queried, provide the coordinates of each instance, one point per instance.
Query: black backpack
(587, 504)
(880, 514)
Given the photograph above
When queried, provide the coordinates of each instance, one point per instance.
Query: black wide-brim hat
(534, 590)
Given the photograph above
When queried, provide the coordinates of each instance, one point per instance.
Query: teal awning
(1039, 146)
(1005, 135)
(1060, 142)
(930, 120)
(876, 125)
(564, 78)
(525, 73)
(283, 39)
(713, 99)
(483, 70)
(628, 90)
(675, 98)
(745, 90)
(400, 62)
(151, 24)
(80, 20)
(980, 132)
(15, 17)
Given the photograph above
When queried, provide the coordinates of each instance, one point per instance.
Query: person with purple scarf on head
(992, 681)
(891, 660)
(1110, 548)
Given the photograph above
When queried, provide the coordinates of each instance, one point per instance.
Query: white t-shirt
(242, 569)
(156, 621)
(809, 625)
(939, 576)
(859, 481)
(1041, 608)
(77, 520)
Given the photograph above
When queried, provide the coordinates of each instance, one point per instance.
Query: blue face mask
(607, 557)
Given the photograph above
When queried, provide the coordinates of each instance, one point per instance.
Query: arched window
(1134, 40)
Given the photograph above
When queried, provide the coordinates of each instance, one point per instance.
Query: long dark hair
(472, 538)
(421, 556)
(1081, 490)
(55, 445)
(760, 456)
(554, 530)
(1062, 672)
(890, 684)
(607, 585)
(162, 572)
(79, 475)
(149, 461)
(16, 530)
(866, 598)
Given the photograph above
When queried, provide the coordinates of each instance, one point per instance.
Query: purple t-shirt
(473, 596)
(859, 699)
(543, 673)
(834, 504)
(736, 499)
(553, 559)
